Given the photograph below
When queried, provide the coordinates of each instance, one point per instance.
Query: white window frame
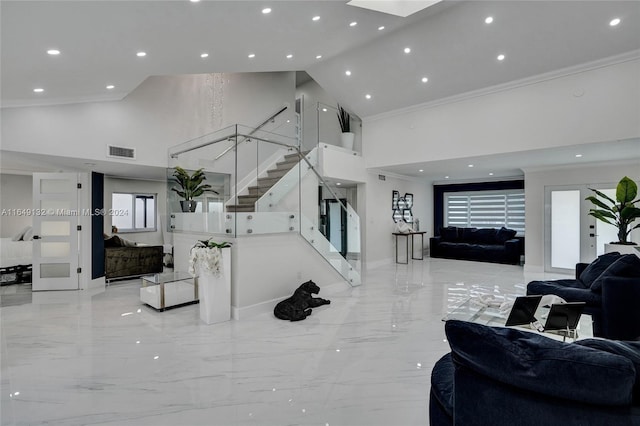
(511, 216)
(132, 210)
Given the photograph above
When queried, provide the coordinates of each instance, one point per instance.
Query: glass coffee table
(169, 289)
(473, 310)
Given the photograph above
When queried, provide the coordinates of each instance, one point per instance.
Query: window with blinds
(485, 209)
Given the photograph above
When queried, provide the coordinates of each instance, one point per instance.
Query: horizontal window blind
(485, 209)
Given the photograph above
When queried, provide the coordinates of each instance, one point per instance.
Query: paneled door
(55, 231)
(571, 235)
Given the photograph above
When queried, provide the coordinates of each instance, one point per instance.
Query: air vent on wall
(121, 152)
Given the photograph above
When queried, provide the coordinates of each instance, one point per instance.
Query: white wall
(112, 185)
(377, 217)
(163, 111)
(591, 106)
(537, 180)
(15, 193)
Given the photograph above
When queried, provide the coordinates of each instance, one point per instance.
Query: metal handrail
(260, 126)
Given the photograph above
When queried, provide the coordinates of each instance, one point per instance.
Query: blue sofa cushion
(442, 383)
(504, 234)
(629, 350)
(538, 364)
(483, 236)
(466, 234)
(450, 234)
(597, 267)
(569, 290)
(627, 265)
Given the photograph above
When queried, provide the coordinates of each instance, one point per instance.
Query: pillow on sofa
(627, 265)
(629, 350)
(597, 267)
(115, 241)
(450, 234)
(536, 363)
(466, 234)
(484, 236)
(505, 234)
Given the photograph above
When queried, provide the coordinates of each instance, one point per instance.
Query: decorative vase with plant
(191, 186)
(620, 212)
(207, 256)
(345, 126)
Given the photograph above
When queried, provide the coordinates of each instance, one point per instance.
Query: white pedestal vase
(622, 249)
(215, 291)
(347, 140)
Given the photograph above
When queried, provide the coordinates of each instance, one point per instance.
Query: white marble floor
(73, 358)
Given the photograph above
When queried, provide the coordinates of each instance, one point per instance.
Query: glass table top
(168, 277)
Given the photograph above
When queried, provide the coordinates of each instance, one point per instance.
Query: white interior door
(571, 235)
(55, 233)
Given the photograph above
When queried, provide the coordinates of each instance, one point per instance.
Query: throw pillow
(629, 350)
(467, 234)
(28, 236)
(450, 234)
(538, 364)
(484, 236)
(627, 265)
(504, 234)
(597, 267)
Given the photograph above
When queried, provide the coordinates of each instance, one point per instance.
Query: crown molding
(633, 55)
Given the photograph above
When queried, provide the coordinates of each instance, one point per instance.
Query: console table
(407, 235)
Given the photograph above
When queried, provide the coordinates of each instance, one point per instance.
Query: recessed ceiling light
(347, 72)
(324, 110)
(470, 165)
(141, 54)
(353, 24)
(53, 52)
(368, 96)
(315, 18)
(381, 27)
(614, 22)
(266, 10)
(491, 174)
(338, 184)
(407, 50)
(500, 57)
(446, 177)
(318, 56)
(204, 55)
(252, 55)
(194, 1)
(425, 79)
(111, 86)
(421, 170)
(578, 155)
(488, 20)
(289, 56)
(38, 90)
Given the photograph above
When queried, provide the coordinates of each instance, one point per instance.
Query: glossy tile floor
(74, 358)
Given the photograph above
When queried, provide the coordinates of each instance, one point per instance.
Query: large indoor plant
(191, 186)
(345, 126)
(620, 212)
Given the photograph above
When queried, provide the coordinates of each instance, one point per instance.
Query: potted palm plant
(345, 125)
(620, 212)
(190, 187)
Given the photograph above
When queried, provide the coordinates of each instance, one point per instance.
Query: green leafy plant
(191, 185)
(620, 212)
(344, 119)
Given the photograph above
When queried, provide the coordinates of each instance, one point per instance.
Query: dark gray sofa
(123, 258)
(497, 376)
(479, 244)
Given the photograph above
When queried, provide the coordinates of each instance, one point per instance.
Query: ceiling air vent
(121, 152)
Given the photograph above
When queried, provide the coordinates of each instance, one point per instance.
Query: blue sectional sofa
(497, 376)
(610, 287)
(479, 244)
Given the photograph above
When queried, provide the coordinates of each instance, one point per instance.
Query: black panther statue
(298, 306)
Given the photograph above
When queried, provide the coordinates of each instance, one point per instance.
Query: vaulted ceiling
(369, 61)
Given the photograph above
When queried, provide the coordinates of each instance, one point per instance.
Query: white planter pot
(215, 292)
(347, 140)
(622, 249)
